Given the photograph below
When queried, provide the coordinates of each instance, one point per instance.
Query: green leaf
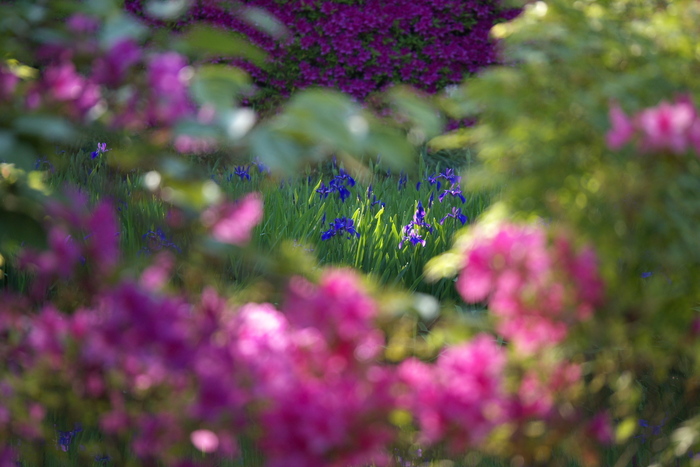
(421, 113)
(120, 27)
(393, 148)
(275, 150)
(15, 152)
(328, 117)
(52, 129)
(264, 21)
(219, 85)
(20, 229)
(167, 9)
(217, 42)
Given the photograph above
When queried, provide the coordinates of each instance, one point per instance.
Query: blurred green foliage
(541, 137)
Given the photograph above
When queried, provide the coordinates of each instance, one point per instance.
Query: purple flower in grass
(344, 177)
(455, 214)
(450, 176)
(343, 192)
(341, 225)
(65, 438)
(242, 172)
(403, 179)
(101, 149)
(411, 230)
(262, 168)
(413, 236)
(456, 192)
(433, 180)
(419, 219)
(324, 190)
(157, 240)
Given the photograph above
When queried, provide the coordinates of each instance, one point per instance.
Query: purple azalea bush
(360, 46)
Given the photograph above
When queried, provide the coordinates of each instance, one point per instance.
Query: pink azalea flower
(622, 128)
(233, 223)
(8, 82)
(534, 289)
(666, 126)
(63, 82)
(205, 440)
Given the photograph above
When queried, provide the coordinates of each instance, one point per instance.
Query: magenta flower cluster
(363, 46)
(306, 380)
(536, 290)
(674, 128)
(84, 82)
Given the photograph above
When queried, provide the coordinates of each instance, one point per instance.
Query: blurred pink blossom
(233, 223)
(622, 128)
(168, 77)
(205, 440)
(461, 398)
(665, 127)
(673, 127)
(8, 83)
(534, 289)
(111, 68)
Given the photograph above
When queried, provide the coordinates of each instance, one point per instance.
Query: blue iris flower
(262, 168)
(65, 438)
(402, 181)
(242, 172)
(412, 236)
(455, 214)
(450, 176)
(410, 230)
(339, 226)
(338, 185)
(456, 192)
(101, 149)
(157, 240)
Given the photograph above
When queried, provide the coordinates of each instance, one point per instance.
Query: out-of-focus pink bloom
(63, 83)
(205, 440)
(673, 127)
(155, 276)
(340, 309)
(665, 127)
(82, 24)
(65, 251)
(88, 99)
(48, 332)
(102, 243)
(8, 82)
(33, 99)
(111, 69)
(334, 421)
(541, 387)
(534, 289)
(156, 433)
(186, 144)
(622, 128)
(532, 333)
(461, 398)
(233, 223)
(168, 78)
(600, 428)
